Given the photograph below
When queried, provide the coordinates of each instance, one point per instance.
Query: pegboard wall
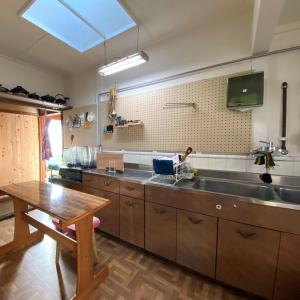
(210, 127)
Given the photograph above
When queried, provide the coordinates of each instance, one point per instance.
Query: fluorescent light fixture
(121, 64)
(80, 24)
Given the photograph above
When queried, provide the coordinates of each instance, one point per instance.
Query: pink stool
(71, 229)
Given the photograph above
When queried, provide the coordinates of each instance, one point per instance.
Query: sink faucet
(270, 148)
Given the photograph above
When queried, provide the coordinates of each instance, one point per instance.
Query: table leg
(22, 235)
(86, 280)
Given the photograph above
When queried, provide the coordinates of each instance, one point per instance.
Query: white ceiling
(158, 19)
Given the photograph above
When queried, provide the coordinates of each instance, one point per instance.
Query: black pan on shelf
(3, 89)
(19, 91)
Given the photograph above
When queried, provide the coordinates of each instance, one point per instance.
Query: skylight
(81, 24)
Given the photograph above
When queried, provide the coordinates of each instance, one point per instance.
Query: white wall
(208, 46)
(14, 72)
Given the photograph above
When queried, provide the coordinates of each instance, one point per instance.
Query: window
(80, 24)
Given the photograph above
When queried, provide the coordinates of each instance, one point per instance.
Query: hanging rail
(195, 71)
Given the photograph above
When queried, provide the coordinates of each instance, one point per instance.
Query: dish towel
(163, 166)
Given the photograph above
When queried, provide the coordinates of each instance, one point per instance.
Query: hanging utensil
(187, 152)
(113, 96)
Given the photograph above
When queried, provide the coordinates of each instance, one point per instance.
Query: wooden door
(110, 215)
(19, 144)
(132, 220)
(247, 257)
(197, 241)
(288, 272)
(160, 230)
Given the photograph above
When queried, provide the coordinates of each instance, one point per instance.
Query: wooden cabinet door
(288, 271)
(132, 221)
(197, 241)
(247, 257)
(160, 230)
(109, 215)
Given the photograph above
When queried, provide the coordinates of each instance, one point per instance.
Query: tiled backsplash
(285, 165)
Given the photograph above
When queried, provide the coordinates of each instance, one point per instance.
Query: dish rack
(170, 179)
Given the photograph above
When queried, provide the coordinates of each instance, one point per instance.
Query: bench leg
(86, 279)
(58, 247)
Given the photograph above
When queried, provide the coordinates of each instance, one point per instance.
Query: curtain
(46, 146)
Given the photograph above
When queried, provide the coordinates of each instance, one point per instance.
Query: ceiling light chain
(138, 38)
(105, 57)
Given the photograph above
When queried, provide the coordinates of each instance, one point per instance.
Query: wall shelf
(39, 104)
(131, 124)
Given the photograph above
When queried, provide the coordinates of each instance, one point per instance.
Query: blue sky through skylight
(82, 24)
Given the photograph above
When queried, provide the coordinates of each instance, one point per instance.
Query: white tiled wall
(285, 165)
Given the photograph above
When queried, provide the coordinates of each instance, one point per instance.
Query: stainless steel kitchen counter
(134, 175)
(144, 177)
(245, 178)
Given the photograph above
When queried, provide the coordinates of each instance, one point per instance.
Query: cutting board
(103, 158)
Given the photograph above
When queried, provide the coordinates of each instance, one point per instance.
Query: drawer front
(92, 181)
(109, 184)
(132, 221)
(197, 242)
(132, 189)
(160, 230)
(247, 257)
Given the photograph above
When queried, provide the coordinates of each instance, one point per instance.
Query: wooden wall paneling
(19, 148)
(19, 153)
(41, 126)
(6, 148)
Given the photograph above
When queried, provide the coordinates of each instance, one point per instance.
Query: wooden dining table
(69, 207)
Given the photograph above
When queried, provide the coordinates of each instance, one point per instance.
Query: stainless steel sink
(236, 188)
(288, 194)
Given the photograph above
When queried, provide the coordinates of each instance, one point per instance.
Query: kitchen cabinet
(288, 272)
(132, 220)
(247, 257)
(160, 230)
(197, 242)
(110, 215)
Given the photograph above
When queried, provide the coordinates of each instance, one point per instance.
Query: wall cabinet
(160, 230)
(197, 241)
(288, 274)
(132, 220)
(247, 257)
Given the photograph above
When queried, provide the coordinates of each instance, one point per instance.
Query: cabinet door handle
(159, 211)
(245, 234)
(129, 188)
(107, 183)
(194, 220)
(129, 204)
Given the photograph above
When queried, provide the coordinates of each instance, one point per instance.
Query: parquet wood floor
(134, 274)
